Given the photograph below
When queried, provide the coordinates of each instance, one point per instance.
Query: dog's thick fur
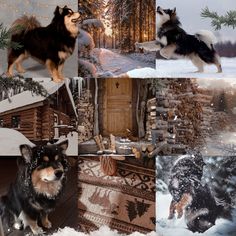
(50, 45)
(176, 43)
(190, 195)
(39, 183)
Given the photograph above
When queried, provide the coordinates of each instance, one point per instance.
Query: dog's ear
(26, 152)
(58, 10)
(174, 11)
(63, 145)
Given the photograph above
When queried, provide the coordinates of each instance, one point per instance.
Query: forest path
(118, 63)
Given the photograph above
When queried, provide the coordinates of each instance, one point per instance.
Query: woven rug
(125, 202)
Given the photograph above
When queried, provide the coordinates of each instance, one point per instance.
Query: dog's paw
(47, 224)
(37, 231)
(18, 225)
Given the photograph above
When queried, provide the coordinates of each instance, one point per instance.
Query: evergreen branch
(229, 20)
(19, 84)
(5, 38)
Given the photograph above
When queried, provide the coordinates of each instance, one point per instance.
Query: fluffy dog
(192, 197)
(176, 43)
(50, 45)
(39, 183)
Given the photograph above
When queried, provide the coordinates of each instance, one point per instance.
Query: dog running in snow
(192, 198)
(38, 185)
(50, 45)
(176, 43)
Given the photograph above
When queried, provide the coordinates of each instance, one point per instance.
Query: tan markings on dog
(172, 210)
(63, 55)
(44, 182)
(197, 61)
(56, 157)
(183, 203)
(71, 23)
(60, 71)
(46, 158)
(18, 62)
(53, 71)
(45, 221)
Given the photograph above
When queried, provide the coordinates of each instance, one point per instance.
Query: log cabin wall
(27, 125)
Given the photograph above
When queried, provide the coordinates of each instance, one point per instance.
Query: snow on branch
(96, 23)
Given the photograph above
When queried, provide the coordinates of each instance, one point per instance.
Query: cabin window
(15, 122)
(1, 122)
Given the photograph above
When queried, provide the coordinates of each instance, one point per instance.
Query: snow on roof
(28, 98)
(183, 68)
(10, 140)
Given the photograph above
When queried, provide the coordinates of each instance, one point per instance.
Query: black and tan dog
(174, 42)
(39, 183)
(50, 45)
(192, 197)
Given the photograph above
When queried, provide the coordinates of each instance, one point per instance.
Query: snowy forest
(125, 22)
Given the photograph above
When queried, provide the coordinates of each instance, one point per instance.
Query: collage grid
(117, 118)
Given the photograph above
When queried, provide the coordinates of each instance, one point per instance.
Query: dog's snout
(58, 173)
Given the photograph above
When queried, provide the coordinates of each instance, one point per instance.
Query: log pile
(151, 118)
(85, 109)
(182, 117)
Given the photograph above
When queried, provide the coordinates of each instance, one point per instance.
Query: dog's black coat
(185, 176)
(204, 201)
(187, 45)
(22, 195)
(44, 42)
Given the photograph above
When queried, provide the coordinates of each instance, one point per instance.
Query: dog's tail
(207, 37)
(24, 24)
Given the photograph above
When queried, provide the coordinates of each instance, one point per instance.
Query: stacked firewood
(85, 109)
(151, 118)
(183, 114)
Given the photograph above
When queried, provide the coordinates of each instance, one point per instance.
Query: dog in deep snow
(50, 45)
(176, 43)
(193, 198)
(39, 183)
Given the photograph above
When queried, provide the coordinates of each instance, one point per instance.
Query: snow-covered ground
(177, 227)
(103, 231)
(118, 63)
(185, 69)
(10, 140)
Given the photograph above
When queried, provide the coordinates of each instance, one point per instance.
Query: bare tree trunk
(140, 21)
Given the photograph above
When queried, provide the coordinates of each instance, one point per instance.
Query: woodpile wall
(86, 116)
(182, 115)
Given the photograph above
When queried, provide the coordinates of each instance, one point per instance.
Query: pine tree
(229, 19)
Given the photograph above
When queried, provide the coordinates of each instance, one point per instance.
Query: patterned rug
(125, 202)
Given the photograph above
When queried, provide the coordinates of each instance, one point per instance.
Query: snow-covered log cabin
(40, 118)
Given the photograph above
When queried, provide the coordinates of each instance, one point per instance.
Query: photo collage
(117, 118)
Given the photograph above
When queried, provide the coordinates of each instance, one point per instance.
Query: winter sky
(189, 13)
(43, 9)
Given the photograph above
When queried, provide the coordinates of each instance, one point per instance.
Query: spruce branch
(19, 84)
(5, 38)
(217, 21)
